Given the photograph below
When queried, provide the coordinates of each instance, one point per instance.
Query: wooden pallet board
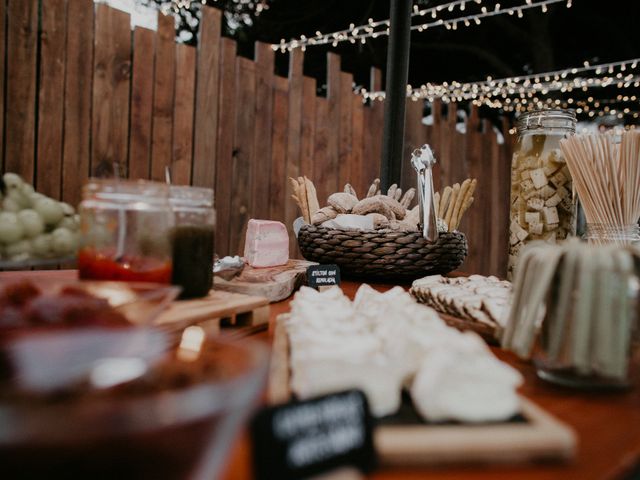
(275, 283)
(539, 437)
(233, 313)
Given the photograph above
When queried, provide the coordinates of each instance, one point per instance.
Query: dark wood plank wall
(104, 95)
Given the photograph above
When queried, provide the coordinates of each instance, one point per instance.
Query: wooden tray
(233, 313)
(274, 283)
(538, 437)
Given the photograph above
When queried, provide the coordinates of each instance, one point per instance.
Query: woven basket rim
(380, 230)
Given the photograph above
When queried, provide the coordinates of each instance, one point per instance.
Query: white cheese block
(539, 178)
(550, 215)
(266, 244)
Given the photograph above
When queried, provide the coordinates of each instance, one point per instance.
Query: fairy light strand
(374, 29)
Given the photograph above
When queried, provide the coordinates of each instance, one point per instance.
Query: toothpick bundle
(606, 176)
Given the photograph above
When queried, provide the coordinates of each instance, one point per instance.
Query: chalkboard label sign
(305, 438)
(323, 276)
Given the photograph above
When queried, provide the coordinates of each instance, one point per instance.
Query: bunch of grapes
(33, 225)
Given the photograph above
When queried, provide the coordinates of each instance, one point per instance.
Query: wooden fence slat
(144, 41)
(207, 98)
(414, 137)
(225, 144)
(3, 51)
(333, 111)
(278, 187)
(112, 73)
(265, 58)
(243, 175)
(357, 132)
(294, 134)
(22, 29)
(163, 94)
(50, 102)
(322, 164)
(373, 134)
(345, 137)
(307, 142)
(183, 108)
(77, 99)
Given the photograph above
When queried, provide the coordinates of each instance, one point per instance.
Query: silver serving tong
(423, 161)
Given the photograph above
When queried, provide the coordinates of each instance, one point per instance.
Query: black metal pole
(396, 88)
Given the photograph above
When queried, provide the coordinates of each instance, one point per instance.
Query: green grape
(10, 228)
(12, 181)
(67, 209)
(50, 211)
(69, 223)
(63, 241)
(31, 222)
(41, 245)
(21, 200)
(20, 250)
(10, 205)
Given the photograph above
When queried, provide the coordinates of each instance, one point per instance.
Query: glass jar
(542, 197)
(125, 227)
(192, 240)
(599, 234)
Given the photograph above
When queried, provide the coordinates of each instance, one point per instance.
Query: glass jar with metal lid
(125, 231)
(543, 204)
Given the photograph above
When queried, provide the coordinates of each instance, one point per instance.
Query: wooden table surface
(607, 425)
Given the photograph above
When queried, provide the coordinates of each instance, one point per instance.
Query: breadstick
(464, 188)
(373, 188)
(467, 200)
(312, 198)
(348, 188)
(452, 203)
(444, 203)
(298, 196)
(408, 198)
(398, 194)
(464, 208)
(392, 190)
(436, 202)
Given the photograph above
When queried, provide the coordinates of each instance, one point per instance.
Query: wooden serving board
(274, 283)
(538, 436)
(233, 313)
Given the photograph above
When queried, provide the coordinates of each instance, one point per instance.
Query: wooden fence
(83, 92)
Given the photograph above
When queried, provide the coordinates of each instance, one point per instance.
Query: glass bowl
(178, 423)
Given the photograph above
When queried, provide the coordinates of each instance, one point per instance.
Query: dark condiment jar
(193, 240)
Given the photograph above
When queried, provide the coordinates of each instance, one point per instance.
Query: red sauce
(93, 265)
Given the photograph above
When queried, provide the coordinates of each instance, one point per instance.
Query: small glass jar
(192, 240)
(125, 227)
(599, 234)
(542, 197)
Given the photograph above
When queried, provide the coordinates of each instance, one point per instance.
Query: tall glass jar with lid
(125, 231)
(543, 204)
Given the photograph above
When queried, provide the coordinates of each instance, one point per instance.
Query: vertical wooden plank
(413, 138)
(144, 45)
(501, 201)
(440, 173)
(243, 179)
(183, 110)
(22, 29)
(357, 133)
(322, 167)
(333, 112)
(226, 124)
(77, 99)
(376, 127)
(265, 58)
(163, 94)
(277, 187)
(307, 143)
(207, 98)
(346, 126)
(3, 51)
(476, 226)
(112, 72)
(53, 38)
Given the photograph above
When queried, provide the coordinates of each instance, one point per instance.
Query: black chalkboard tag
(323, 276)
(304, 438)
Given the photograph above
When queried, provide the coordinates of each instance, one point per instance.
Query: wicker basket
(382, 254)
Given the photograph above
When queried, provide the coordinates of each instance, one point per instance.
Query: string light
(374, 29)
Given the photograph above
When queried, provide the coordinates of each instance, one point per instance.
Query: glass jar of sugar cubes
(543, 204)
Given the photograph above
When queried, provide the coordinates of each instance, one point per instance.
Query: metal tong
(423, 160)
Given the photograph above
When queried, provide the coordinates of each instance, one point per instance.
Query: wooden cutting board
(536, 436)
(233, 313)
(274, 283)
